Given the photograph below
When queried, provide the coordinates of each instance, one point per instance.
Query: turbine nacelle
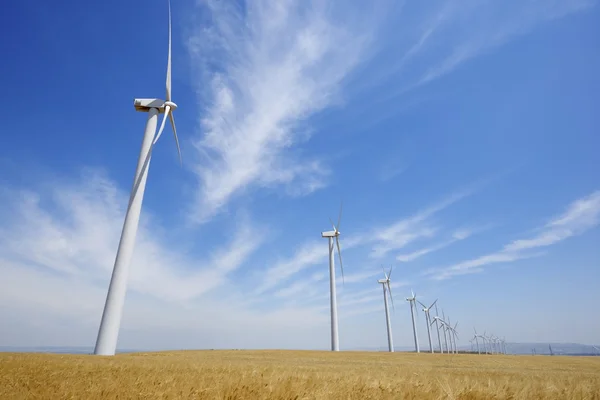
(330, 234)
(144, 105)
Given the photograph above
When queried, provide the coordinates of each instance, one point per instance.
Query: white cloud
(73, 230)
(485, 25)
(266, 68)
(457, 236)
(411, 229)
(309, 254)
(581, 216)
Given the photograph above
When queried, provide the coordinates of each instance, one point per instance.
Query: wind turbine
(412, 300)
(428, 321)
(108, 332)
(330, 235)
(449, 330)
(455, 334)
(438, 328)
(476, 337)
(385, 283)
(484, 339)
(444, 327)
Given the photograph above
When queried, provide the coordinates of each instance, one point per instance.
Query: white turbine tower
(385, 283)
(428, 321)
(438, 328)
(437, 321)
(444, 331)
(330, 235)
(455, 336)
(108, 333)
(476, 337)
(413, 305)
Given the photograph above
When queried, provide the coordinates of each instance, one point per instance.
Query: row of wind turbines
(108, 331)
(443, 326)
(492, 344)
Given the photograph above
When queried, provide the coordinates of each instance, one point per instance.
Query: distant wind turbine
(330, 235)
(108, 333)
(476, 337)
(438, 328)
(412, 300)
(387, 290)
(426, 310)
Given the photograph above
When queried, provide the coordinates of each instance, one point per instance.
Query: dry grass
(296, 375)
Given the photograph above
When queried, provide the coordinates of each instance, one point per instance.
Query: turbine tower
(330, 235)
(476, 337)
(438, 328)
(455, 336)
(428, 321)
(108, 332)
(412, 300)
(385, 283)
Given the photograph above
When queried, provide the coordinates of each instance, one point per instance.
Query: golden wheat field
(296, 375)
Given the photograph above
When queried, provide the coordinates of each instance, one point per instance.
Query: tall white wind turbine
(108, 332)
(476, 337)
(387, 290)
(413, 310)
(428, 321)
(444, 331)
(331, 235)
(455, 336)
(438, 328)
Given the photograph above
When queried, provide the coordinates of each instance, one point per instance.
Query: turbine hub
(171, 104)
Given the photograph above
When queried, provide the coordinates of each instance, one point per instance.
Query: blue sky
(461, 136)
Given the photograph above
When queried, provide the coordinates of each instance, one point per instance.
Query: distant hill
(570, 349)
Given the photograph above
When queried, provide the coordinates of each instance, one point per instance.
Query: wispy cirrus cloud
(456, 236)
(381, 240)
(407, 230)
(266, 67)
(579, 217)
(439, 36)
(491, 24)
(73, 229)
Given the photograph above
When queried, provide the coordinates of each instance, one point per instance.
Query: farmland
(297, 375)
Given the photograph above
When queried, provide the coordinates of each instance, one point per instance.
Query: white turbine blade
(176, 139)
(384, 274)
(337, 228)
(390, 293)
(162, 125)
(391, 269)
(337, 243)
(169, 58)
(424, 306)
(332, 224)
(432, 304)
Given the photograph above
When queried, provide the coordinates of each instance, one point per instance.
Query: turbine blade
(162, 125)
(337, 228)
(391, 269)
(332, 224)
(337, 242)
(384, 274)
(432, 304)
(168, 98)
(176, 139)
(391, 297)
(424, 306)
